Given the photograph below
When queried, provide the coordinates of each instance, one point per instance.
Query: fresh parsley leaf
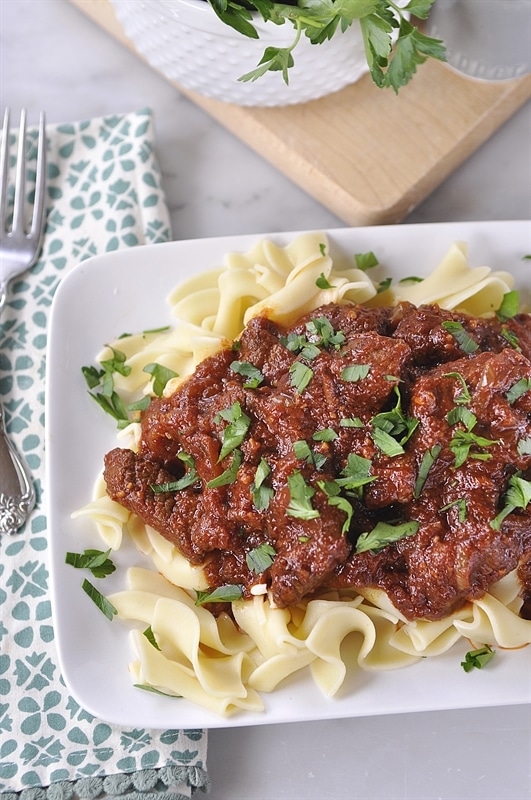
(301, 494)
(324, 435)
(509, 306)
(524, 446)
(355, 372)
(260, 558)
(392, 429)
(511, 338)
(333, 492)
(383, 534)
(249, 371)
(150, 636)
(262, 494)
(236, 430)
(104, 605)
(189, 479)
(460, 503)
(161, 376)
(412, 49)
(322, 332)
(351, 422)
(518, 390)
(428, 460)
(461, 336)
(229, 475)
(365, 261)
(462, 442)
(477, 659)
(223, 594)
(301, 375)
(356, 473)
(97, 561)
(322, 282)
(92, 376)
(147, 688)
(518, 495)
(116, 363)
(463, 398)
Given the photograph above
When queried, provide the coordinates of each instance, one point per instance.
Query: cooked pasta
(224, 663)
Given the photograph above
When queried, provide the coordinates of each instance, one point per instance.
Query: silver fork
(19, 250)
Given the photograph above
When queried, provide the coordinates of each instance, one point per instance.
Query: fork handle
(17, 496)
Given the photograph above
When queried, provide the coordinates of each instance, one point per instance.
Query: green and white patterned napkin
(104, 193)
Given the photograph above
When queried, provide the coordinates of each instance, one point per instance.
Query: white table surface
(51, 57)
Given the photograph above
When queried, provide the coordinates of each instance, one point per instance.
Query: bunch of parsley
(394, 46)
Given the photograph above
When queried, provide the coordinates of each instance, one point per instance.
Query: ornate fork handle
(17, 496)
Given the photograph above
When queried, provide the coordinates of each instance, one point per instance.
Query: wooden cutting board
(368, 155)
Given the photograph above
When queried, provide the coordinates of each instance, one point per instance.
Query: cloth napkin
(104, 193)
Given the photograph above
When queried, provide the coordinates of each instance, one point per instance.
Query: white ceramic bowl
(186, 42)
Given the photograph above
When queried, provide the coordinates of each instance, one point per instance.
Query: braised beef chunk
(275, 461)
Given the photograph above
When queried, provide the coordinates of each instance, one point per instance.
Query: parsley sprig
(391, 63)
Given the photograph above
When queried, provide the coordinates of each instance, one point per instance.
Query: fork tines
(35, 232)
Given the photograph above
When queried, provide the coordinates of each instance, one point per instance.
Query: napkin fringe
(165, 783)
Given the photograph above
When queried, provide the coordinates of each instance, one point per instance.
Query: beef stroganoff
(318, 521)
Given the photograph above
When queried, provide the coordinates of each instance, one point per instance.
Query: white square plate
(125, 291)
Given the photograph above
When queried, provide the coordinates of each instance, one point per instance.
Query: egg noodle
(225, 663)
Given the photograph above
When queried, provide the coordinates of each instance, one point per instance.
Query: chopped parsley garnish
(477, 659)
(223, 594)
(229, 475)
(384, 285)
(104, 605)
(462, 415)
(383, 534)
(351, 422)
(428, 460)
(301, 375)
(235, 432)
(392, 429)
(262, 494)
(461, 336)
(322, 282)
(189, 479)
(301, 494)
(147, 688)
(324, 435)
(511, 338)
(302, 450)
(322, 333)
(365, 261)
(356, 473)
(509, 306)
(518, 390)
(150, 636)
(260, 558)
(97, 561)
(333, 492)
(252, 374)
(518, 495)
(524, 446)
(463, 398)
(161, 376)
(462, 442)
(116, 363)
(108, 399)
(460, 504)
(355, 372)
